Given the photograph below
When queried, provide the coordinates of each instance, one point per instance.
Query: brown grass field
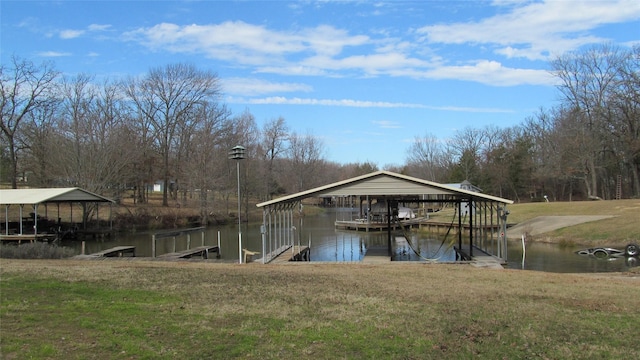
(141, 309)
(123, 309)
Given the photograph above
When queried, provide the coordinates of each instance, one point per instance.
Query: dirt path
(543, 224)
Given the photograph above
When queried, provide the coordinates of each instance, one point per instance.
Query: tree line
(170, 125)
(586, 147)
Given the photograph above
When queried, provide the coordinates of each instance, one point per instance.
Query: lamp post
(237, 153)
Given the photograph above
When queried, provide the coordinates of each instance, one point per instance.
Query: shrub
(37, 250)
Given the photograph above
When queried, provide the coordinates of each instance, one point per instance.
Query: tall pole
(239, 218)
(237, 153)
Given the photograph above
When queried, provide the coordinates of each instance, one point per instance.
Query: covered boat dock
(37, 225)
(481, 218)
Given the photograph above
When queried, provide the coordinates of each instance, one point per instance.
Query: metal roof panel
(382, 183)
(44, 195)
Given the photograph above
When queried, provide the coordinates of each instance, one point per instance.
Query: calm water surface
(328, 244)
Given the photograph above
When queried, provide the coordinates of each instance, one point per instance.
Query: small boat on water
(631, 250)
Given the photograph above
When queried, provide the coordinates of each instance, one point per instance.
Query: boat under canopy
(484, 215)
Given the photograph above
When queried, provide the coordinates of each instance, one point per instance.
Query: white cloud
(281, 100)
(293, 70)
(330, 102)
(386, 124)
(520, 30)
(535, 30)
(316, 51)
(70, 34)
(326, 40)
(244, 43)
(53, 54)
(253, 87)
(98, 27)
(492, 73)
(368, 64)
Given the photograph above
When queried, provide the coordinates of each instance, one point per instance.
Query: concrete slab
(543, 224)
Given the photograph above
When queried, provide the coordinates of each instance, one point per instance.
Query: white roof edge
(43, 195)
(324, 188)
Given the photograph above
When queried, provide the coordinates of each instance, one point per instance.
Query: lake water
(328, 244)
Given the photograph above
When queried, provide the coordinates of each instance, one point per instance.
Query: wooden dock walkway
(28, 237)
(363, 225)
(287, 253)
(200, 251)
(422, 223)
(118, 251)
(480, 258)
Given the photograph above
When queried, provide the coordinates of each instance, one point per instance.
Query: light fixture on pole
(237, 153)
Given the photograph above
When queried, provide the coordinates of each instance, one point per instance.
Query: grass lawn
(136, 309)
(621, 229)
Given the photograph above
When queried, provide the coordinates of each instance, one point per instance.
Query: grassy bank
(621, 229)
(154, 310)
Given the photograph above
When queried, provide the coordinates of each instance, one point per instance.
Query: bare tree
(305, 160)
(25, 87)
(205, 166)
(549, 176)
(78, 95)
(625, 122)
(246, 133)
(274, 136)
(41, 136)
(589, 80)
(356, 169)
(466, 147)
(99, 145)
(143, 167)
(427, 155)
(167, 98)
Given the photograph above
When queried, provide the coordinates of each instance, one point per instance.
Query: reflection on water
(328, 244)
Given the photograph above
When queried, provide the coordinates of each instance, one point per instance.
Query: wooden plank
(116, 251)
(285, 254)
(481, 259)
(363, 225)
(185, 254)
(288, 255)
(275, 253)
(27, 237)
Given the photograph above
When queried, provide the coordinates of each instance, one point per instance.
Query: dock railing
(174, 234)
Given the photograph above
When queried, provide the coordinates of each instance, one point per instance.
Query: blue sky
(366, 77)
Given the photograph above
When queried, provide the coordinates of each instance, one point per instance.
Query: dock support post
(262, 235)
(471, 215)
(219, 251)
(460, 225)
(240, 248)
(388, 227)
